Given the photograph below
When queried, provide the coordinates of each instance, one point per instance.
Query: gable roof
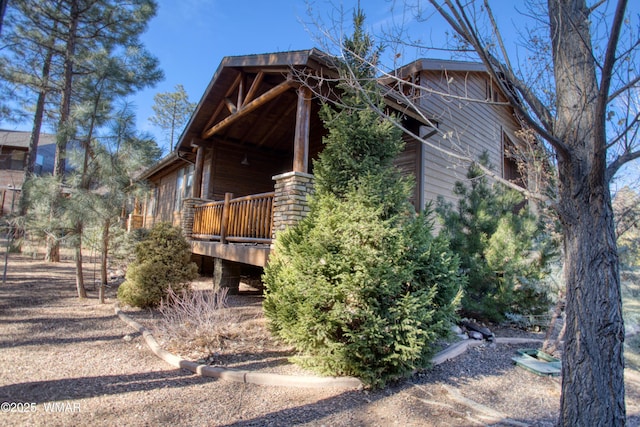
(430, 64)
(258, 74)
(20, 139)
(274, 68)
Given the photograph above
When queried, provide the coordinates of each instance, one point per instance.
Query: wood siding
(229, 175)
(409, 164)
(166, 198)
(469, 128)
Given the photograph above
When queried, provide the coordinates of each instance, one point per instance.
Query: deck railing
(247, 219)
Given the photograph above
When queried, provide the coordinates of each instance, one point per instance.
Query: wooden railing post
(224, 226)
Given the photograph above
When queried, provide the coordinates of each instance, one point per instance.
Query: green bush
(503, 248)
(359, 295)
(163, 260)
(360, 287)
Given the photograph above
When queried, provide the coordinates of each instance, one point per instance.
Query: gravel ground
(67, 362)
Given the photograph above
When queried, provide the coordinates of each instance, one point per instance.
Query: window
(510, 167)
(13, 160)
(184, 183)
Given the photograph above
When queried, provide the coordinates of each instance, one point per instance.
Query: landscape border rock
(266, 378)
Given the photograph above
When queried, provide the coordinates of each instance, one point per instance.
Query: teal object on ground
(538, 362)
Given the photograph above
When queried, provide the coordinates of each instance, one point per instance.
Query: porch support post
(196, 190)
(301, 140)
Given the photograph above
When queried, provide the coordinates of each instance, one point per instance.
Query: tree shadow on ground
(248, 361)
(406, 396)
(59, 341)
(87, 387)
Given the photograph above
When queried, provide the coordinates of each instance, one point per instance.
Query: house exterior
(14, 146)
(243, 166)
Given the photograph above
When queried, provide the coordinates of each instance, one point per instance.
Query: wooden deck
(235, 229)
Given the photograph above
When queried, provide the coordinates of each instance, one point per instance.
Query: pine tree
(360, 287)
(171, 111)
(59, 45)
(503, 248)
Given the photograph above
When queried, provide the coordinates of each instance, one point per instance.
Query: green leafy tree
(502, 246)
(359, 286)
(171, 112)
(163, 260)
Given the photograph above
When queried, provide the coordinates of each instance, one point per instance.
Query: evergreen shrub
(163, 260)
(360, 295)
(360, 287)
(503, 246)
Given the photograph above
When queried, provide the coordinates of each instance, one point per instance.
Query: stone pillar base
(290, 201)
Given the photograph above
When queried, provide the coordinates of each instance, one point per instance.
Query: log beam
(301, 140)
(251, 106)
(254, 88)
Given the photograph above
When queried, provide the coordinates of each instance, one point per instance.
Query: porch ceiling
(251, 101)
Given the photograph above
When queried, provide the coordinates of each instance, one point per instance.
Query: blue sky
(190, 37)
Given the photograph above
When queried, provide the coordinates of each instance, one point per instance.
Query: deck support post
(226, 274)
(301, 139)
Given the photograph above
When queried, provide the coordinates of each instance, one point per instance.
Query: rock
(463, 336)
(456, 329)
(127, 338)
(472, 326)
(475, 335)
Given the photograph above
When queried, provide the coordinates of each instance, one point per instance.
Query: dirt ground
(73, 362)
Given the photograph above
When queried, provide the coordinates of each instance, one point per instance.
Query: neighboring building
(256, 130)
(14, 146)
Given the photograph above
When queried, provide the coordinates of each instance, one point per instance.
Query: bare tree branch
(609, 62)
(624, 88)
(619, 161)
(596, 5)
(462, 24)
(624, 132)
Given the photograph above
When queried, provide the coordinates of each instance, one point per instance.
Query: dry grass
(196, 320)
(216, 328)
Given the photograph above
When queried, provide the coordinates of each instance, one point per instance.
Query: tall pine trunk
(34, 141)
(64, 131)
(104, 258)
(82, 292)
